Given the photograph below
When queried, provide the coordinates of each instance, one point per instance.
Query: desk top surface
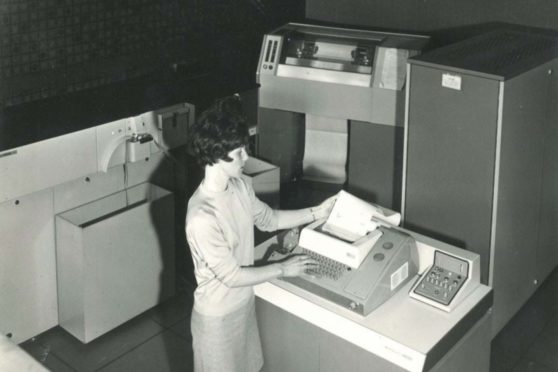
(403, 328)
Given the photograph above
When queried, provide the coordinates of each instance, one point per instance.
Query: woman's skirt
(229, 343)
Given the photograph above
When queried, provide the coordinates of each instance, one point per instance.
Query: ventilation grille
(271, 50)
(503, 53)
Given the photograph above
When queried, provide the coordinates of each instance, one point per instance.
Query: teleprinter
(364, 258)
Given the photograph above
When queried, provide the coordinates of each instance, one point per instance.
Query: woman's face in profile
(235, 167)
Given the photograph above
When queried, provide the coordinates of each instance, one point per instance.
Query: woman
(220, 223)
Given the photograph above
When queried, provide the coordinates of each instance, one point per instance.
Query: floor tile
(173, 310)
(54, 364)
(526, 365)
(46, 357)
(530, 321)
(525, 329)
(182, 328)
(99, 352)
(501, 360)
(519, 334)
(548, 291)
(166, 352)
(544, 349)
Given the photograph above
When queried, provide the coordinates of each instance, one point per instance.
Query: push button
(379, 257)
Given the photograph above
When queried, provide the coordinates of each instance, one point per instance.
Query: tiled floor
(159, 340)
(529, 342)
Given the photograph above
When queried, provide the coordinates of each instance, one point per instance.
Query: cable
(125, 169)
(168, 154)
(111, 149)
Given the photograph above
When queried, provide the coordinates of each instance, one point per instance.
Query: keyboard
(326, 266)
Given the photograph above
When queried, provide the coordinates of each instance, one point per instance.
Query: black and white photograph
(278, 186)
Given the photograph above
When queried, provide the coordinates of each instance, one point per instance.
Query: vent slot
(504, 53)
(274, 51)
(268, 50)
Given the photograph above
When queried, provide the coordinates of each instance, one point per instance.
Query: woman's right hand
(296, 265)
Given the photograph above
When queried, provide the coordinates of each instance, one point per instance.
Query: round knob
(352, 305)
(387, 245)
(379, 257)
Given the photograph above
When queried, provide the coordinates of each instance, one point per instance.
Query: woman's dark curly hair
(219, 130)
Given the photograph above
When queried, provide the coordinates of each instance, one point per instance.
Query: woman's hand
(324, 209)
(296, 265)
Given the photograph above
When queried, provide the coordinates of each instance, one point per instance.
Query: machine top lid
(500, 54)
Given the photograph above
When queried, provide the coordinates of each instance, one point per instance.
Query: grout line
(62, 361)
(129, 351)
(539, 292)
(179, 334)
(525, 353)
(515, 366)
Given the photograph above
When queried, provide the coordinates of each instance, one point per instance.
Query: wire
(167, 153)
(125, 169)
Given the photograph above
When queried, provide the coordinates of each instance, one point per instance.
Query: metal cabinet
(479, 170)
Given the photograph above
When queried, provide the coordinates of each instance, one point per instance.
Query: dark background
(92, 61)
(445, 20)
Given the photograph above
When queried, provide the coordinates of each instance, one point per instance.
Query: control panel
(442, 281)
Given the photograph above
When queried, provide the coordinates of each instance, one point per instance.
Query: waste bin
(114, 258)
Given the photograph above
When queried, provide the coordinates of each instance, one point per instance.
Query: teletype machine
(332, 106)
(381, 298)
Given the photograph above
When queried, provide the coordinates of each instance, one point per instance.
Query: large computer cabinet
(481, 147)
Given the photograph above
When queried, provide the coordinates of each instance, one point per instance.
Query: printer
(364, 258)
(338, 91)
(335, 72)
(362, 261)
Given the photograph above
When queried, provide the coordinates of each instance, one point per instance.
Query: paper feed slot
(349, 253)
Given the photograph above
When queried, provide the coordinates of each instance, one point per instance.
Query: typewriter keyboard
(326, 266)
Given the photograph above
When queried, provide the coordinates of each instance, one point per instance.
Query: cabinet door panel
(27, 266)
(451, 160)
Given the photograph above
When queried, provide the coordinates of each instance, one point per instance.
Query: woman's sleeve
(210, 248)
(265, 218)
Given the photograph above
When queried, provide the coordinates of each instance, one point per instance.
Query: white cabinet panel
(28, 303)
(87, 188)
(47, 163)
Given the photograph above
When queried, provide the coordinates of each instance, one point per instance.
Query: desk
(303, 332)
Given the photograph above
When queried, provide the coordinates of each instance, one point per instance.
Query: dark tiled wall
(446, 21)
(49, 47)
(54, 47)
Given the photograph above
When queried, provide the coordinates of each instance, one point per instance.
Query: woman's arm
(287, 219)
(294, 266)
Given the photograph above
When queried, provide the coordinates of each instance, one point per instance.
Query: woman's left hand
(324, 209)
